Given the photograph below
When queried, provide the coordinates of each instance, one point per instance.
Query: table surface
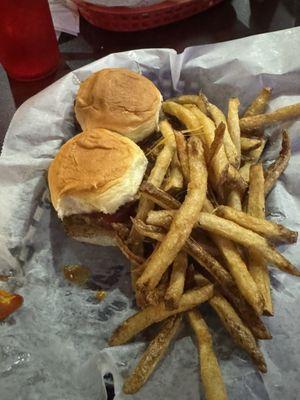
(226, 21)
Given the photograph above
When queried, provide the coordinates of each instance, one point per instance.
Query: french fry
(234, 262)
(278, 167)
(193, 248)
(222, 170)
(259, 104)
(217, 143)
(156, 313)
(157, 294)
(202, 126)
(257, 265)
(136, 259)
(245, 171)
(182, 155)
(263, 120)
(256, 197)
(235, 181)
(234, 200)
(152, 355)
(240, 333)
(252, 158)
(157, 175)
(160, 197)
(270, 230)
(240, 273)
(174, 181)
(200, 280)
(221, 276)
(254, 155)
(177, 279)
(234, 126)
(190, 99)
(247, 238)
(237, 329)
(166, 201)
(185, 218)
(248, 144)
(210, 372)
(218, 117)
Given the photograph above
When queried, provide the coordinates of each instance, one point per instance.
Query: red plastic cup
(28, 45)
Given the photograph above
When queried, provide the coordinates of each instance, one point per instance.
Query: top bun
(120, 100)
(95, 171)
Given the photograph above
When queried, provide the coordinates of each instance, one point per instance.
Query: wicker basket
(129, 19)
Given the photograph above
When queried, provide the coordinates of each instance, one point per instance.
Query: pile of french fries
(200, 233)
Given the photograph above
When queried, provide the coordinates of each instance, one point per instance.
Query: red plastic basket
(140, 18)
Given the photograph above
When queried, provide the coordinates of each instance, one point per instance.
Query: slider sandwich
(119, 100)
(93, 182)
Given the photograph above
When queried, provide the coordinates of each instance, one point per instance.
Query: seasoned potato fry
(232, 257)
(237, 329)
(217, 143)
(157, 294)
(152, 314)
(256, 197)
(252, 158)
(257, 265)
(221, 276)
(156, 178)
(182, 155)
(176, 285)
(240, 333)
(160, 197)
(234, 200)
(128, 253)
(174, 181)
(254, 155)
(210, 372)
(218, 117)
(235, 180)
(223, 171)
(240, 273)
(232, 231)
(202, 126)
(245, 171)
(270, 230)
(152, 355)
(190, 99)
(277, 168)
(185, 218)
(191, 247)
(263, 120)
(248, 144)
(234, 126)
(247, 238)
(259, 104)
(160, 168)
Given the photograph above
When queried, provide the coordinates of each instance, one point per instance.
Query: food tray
(130, 19)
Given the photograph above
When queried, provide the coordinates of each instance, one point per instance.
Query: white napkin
(65, 17)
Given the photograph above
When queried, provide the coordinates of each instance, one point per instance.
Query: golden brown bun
(120, 100)
(95, 171)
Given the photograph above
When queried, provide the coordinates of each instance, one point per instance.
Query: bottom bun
(82, 228)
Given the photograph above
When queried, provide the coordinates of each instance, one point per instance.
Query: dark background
(226, 21)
